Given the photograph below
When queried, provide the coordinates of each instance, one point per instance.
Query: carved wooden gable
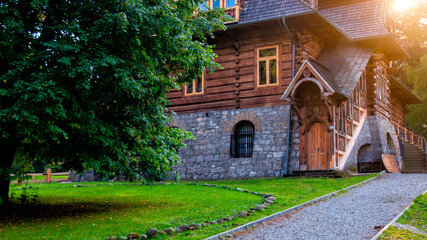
(311, 72)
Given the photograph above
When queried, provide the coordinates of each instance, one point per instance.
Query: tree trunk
(8, 148)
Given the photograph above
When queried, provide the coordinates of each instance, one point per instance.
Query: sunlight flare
(402, 5)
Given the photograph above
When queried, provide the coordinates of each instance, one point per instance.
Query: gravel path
(351, 215)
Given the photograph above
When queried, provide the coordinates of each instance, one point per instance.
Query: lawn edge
(287, 211)
(394, 219)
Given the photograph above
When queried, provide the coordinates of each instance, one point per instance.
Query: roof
(326, 74)
(402, 91)
(346, 63)
(358, 20)
(265, 10)
(340, 66)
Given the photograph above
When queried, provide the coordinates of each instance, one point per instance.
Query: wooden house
(305, 85)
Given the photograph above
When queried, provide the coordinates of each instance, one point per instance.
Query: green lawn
(415, 216)
(102, 211)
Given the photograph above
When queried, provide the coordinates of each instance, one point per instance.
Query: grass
(415, 216)
(393, 233)
(116, 210)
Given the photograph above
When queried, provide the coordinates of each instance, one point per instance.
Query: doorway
(317, 151)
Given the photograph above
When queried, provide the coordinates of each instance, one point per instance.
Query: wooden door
(317, 155)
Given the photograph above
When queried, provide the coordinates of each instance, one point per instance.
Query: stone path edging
(392, 221)
(287, 211)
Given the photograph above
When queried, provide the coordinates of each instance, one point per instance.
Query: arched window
(242, 141)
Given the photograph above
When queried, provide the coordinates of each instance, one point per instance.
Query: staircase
(414, 160)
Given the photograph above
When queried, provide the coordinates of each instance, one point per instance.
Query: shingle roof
(326, 75)
(264, 10)
(346, 63)
(357, 20)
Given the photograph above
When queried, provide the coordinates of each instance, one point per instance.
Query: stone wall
(386, 127)
(208, 157)
(363, 146)
(372, 143)
(294, 155)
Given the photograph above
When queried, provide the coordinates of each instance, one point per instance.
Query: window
(381, 84)
(242, 141)
(215, 3)
(363, 82)
(230, 3)
(341, 119)
(356, 96)
(196, 87)
(220, 4)
(267, 66)
(349, 107)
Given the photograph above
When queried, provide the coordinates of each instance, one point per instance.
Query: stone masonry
(372, 143)
(208, 157)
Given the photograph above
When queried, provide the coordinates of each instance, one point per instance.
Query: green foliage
(417, 76)
(416, 215)
(83, 82)
(410, 28)
(393, 233)
(106, 210)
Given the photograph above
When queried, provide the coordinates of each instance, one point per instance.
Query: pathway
(351, 215)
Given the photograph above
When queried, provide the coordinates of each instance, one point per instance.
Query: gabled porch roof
(322, 77)
(339, 68)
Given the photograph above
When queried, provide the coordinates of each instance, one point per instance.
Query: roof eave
(415, 98)
(278, 17)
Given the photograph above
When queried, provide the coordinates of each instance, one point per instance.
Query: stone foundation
(208, 157)
(378, 136)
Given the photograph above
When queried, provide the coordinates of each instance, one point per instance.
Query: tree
(410, 28)
(417, 77)
(83, 82)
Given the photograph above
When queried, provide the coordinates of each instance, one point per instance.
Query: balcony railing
(410, 136)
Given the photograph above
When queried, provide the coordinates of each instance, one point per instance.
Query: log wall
(234, 86)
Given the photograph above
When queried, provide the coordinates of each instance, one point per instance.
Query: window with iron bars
(242, 141)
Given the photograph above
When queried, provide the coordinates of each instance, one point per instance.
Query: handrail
(420, 144)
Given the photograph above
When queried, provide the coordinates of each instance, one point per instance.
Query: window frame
(381, 81)
(363, 82)
(234, 140)
(222, 4)
(349, 107)
(258, 59)
(341, 118)
(194, 89)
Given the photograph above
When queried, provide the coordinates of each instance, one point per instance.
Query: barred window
(242, 141)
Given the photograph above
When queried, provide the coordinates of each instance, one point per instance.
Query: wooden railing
(410, 136)
(47, 177)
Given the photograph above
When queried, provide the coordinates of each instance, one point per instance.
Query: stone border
(153, 232)
(287, 211)
(393, 221)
